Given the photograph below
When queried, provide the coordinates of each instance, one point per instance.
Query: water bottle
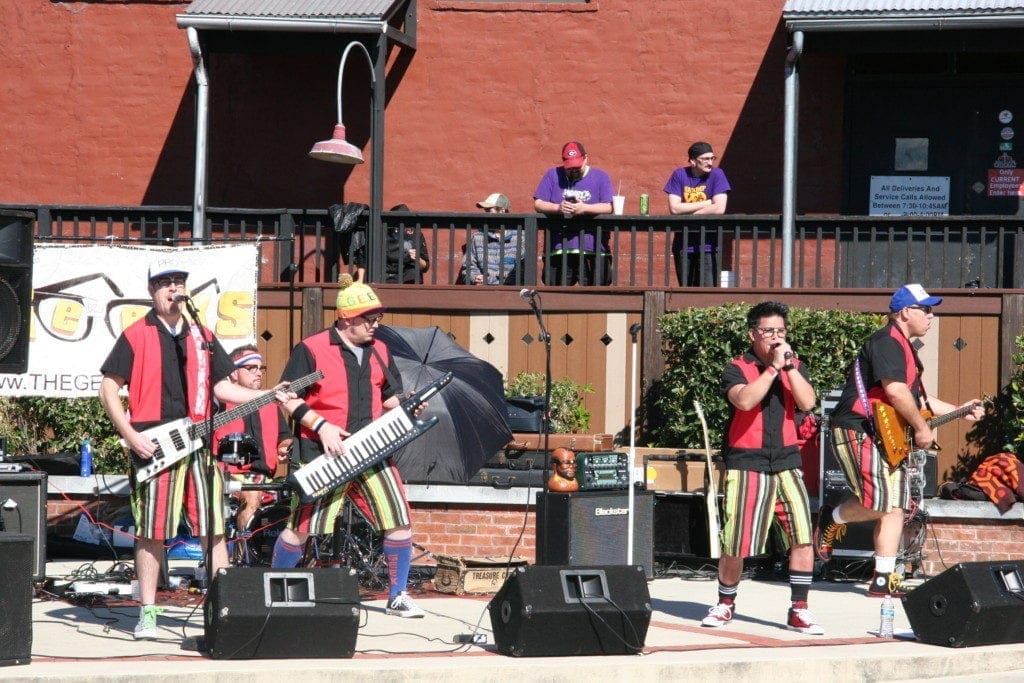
(888, 615)
(85, 460)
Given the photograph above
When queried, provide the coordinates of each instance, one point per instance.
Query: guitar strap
(862, 394)
(199, 406)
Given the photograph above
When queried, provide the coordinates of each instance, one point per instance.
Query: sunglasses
(927, 309)
(254, 368)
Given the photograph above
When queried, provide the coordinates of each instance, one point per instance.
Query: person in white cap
(164, 362)
(495, 251)
(886, 375)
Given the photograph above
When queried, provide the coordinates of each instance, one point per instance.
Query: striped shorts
(877, 486)
(378, 493)
(753, 500)
(157, 504)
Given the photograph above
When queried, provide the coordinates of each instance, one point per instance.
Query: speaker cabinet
(15, 599)
(23, 511)
(972, 603)
(680, 527)
(15, 289)
(263, 613)
(561, 611)
(589, 528)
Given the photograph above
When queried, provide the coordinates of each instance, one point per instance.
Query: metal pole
(789, 135)
(202, 126)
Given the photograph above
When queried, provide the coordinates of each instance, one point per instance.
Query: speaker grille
(15, 599)
(10, 317)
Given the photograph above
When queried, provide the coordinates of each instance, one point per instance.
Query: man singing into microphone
(162, 360)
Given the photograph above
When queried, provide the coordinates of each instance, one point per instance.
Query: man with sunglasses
(164, 361)
(265, 430)
(764, 389)
(360, 383)
(887, 369)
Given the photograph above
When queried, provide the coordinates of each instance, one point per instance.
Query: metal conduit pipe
(789, 134)
(202, 125)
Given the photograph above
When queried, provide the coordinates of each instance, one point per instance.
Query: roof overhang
(374, 17)
(897, 15)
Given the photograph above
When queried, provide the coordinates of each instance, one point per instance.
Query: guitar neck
(949, 417)
(200, 430)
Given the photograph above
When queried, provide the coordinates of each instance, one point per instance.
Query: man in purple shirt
(576, 189)
(699, 188)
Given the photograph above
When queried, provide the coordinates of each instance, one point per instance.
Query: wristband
(300, 412)
(320, 422)
(771, 370)
(788, 366)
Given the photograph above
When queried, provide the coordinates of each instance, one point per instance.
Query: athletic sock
(727, 594)
(799, 585)
(286, 555)
(399, 556)
(885, 565)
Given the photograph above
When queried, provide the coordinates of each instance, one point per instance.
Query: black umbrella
(471, 408)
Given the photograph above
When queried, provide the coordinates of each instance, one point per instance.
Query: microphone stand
(211, 469)
(634, 330)
(545, 426)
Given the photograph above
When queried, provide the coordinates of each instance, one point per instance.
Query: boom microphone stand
(634, 330)
(211, 469)
(532, 297)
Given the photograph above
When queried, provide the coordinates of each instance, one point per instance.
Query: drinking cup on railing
(618, 204)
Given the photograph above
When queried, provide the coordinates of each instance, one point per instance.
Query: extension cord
(470, 638)
(101, 588)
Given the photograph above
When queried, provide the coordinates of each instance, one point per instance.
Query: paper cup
(618, 204)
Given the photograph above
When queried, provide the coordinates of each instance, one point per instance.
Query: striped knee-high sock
(399, 556)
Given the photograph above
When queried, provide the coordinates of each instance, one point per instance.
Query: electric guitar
(180, 438)
(711, 492)
(895, 436)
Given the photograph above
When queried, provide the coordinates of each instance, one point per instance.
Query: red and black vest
(329, 397)
(145, 397)
(763, 439)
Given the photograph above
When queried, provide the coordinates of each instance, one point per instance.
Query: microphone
(787, 355)
(180, 298)
(527, 294)
(635, 328)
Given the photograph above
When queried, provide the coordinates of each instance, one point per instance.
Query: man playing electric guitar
(887, 370)
(162, 360)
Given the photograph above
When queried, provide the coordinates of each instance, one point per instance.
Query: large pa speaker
(15, 289)
(15, 599)
(264, 613)
(559, 611)
(972, 603)
(23, 511)
(589, 528)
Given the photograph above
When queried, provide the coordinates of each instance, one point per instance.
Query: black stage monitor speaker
(972, 603)
(263, 613)
(15, 599)
(589, 528)
(561, 611)
(15, 289)
(23, 511)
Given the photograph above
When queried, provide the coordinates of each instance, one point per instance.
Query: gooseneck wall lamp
(337, 149)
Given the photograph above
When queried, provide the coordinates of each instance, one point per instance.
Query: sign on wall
(909, 196)
(83, 297)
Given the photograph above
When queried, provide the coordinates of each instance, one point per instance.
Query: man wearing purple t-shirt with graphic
(576, 189)
(699, 188)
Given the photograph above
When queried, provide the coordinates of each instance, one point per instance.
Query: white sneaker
(719, 615)
(146, 628)
(800, 619)
(403, 606)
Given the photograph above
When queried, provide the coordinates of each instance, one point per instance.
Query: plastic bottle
(888, 615)
(85, 461)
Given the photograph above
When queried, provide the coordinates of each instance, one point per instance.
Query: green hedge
(700, 341)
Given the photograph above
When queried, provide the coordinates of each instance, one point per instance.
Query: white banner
(85, 296)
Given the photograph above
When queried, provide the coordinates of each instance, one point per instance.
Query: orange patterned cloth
(999, 476)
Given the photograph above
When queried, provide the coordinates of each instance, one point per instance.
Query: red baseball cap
(573, 155)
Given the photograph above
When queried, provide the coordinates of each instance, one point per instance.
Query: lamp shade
(337, 149)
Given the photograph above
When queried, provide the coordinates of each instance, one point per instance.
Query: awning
(331, 16)
(901, 15)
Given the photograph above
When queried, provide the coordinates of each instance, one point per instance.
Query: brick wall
(971, 540)
(473, 530)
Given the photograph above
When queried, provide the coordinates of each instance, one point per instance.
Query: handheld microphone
(180, 298)
(787, 355)
(527, 294)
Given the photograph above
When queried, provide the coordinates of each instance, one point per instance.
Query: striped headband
(252, 357)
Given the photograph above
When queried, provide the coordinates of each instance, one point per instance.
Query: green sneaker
(146, 628)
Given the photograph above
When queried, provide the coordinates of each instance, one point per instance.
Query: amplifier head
(602, 470)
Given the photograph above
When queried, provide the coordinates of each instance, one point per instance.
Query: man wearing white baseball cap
(885, 381)
(494, 251)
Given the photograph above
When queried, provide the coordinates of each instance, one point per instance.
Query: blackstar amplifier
(602, 471)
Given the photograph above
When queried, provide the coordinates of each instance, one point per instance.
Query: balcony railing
(645, 251)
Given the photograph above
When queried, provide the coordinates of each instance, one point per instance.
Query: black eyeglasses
(927, 309)
(254, 368)
(373, 318)
(769, 331)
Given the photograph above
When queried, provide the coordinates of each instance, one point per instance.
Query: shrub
(700, 341)
(34, 425)
(568, 415)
